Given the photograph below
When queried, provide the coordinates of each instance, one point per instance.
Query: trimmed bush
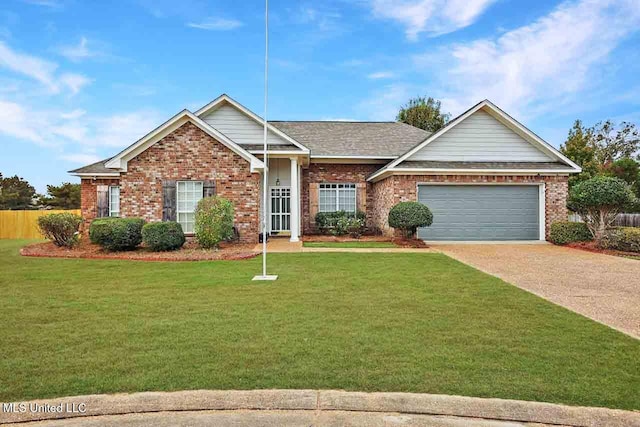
(61, 228)
(625, 239)
(163, 236)
(214, 221)
(598, 201)
(340, 223)
(116, 234)
(563, 232)
(408, 216)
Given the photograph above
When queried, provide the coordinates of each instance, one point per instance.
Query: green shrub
(563, 232)
(214, 221)
(598, 201)
(408, 216)
(163, 236)
(625, 239)
(116, 234)
(340, 223)
(61, 228)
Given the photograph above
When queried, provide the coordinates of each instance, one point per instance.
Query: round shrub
(163, 236)
(408, 216)
(214, 221)
(563, 232)
(116, 234)
(60, 228)
(625, 239)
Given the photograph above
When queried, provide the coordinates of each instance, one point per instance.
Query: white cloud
(120, 130)
(15, 121)
(216, 24)
(45, 3)
(30, 66)
(434, 17)
(81, 158)
(77, 52)
(381, 75)
(75, 82)
(41, 70)
(75, 114)
(539, 66)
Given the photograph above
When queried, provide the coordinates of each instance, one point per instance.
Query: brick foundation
(403, 188)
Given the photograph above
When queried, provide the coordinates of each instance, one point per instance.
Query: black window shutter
(169, 200)
(209, 189)
(102, 210)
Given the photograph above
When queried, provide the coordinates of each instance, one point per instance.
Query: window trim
(111, 211)
(178, 211)
(337, 189)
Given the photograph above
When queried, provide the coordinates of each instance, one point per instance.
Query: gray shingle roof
(326, 138)
(429, 164)
(97, 167)
(272, 147)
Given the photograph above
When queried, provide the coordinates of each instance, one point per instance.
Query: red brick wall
(89, 198)
(403, 188)
(318, 173)
(188, 153)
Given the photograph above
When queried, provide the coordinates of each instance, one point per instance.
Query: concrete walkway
(604, 288)
(308, 408)
(283, 245)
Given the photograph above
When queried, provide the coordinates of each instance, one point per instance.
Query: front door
(280, 202)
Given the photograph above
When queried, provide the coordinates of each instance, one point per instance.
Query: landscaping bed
(316, 240)
(189, 252)
(592, 247)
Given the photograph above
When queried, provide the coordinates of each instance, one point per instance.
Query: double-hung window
(189, 194)
(337, 197)
(114, 201)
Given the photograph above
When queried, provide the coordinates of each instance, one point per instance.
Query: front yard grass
(363, 244)
(374, 322)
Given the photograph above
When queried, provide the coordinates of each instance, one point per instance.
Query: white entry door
(280, 202)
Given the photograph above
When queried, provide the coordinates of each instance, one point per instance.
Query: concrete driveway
(602, 287)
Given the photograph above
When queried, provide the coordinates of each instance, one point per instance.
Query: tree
(612, 144)
(423, 113)
(579, 147)
(626, 169)
(598, 201)
(16, 193)
(63, 196)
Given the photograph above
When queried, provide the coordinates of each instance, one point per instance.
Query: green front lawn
(398, 322)
(363, 244)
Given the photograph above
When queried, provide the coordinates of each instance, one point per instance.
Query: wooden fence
(23, 224)
(622, 220)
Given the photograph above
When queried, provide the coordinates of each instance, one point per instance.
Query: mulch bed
(591, 247)
(189, 252)
(404, 243)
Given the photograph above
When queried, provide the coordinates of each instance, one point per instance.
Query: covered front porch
(283, 196)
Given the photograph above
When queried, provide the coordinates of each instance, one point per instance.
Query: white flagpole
(265, 205)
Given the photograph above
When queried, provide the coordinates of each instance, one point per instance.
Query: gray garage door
(481, 212)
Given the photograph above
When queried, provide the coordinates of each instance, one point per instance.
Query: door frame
(270, 209)
(541, 197)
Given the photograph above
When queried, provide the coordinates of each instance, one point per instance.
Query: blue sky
(81, 79)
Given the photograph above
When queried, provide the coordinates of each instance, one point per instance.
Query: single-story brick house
(485, 176)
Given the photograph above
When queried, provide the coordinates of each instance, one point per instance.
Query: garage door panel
(481, 212)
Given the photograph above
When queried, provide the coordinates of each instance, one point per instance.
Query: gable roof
(119, 162)
(353, 139)
(224, 98)
(502, 117)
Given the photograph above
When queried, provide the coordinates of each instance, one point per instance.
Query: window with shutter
(189, 194)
